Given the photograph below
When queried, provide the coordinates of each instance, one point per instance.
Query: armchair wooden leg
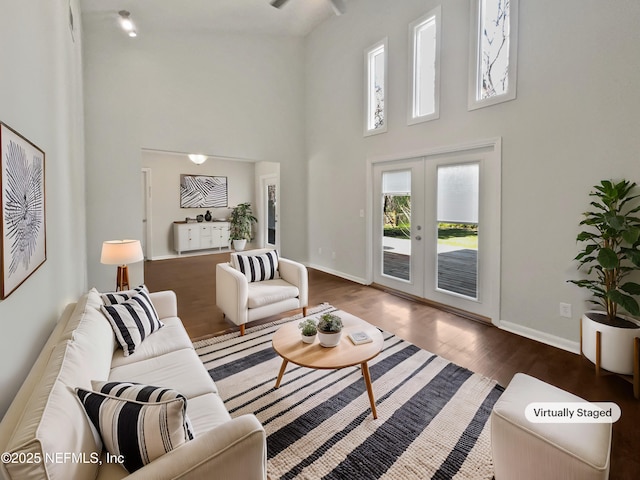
(242, 329)
(304, 311)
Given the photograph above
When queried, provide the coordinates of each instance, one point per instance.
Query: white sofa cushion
(270, 291)
(206, 412)
(132, 321)
(176, 370)
(53, 409)
(257, 267)
(137, 431)
(171, 337)
(90, 301)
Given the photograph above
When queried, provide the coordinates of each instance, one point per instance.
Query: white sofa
(48, 434)
(242, 300)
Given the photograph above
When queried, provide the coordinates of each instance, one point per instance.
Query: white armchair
(246, 292)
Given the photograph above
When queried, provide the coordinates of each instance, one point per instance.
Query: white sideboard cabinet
(200, 236)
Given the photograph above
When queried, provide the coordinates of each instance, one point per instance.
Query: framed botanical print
(22, 209)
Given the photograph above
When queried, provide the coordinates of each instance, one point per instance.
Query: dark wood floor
(479, 347)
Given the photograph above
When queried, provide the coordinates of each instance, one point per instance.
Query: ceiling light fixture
(127, 24)
(197, 159)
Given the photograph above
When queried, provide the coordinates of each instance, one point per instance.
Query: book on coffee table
(358, 338)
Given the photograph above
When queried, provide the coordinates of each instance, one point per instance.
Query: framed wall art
(203, 191)
(22, 209)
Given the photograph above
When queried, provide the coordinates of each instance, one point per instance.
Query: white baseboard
(330, 271)
(546, 338)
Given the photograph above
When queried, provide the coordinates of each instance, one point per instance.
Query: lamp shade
(121, 252)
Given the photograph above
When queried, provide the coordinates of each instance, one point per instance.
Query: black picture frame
(203, 191)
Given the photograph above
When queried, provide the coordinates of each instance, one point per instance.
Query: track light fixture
(127, 24)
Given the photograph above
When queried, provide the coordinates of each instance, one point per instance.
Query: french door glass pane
(457, 215)
(396, 224)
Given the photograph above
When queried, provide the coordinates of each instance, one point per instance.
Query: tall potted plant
(611, 253)
(241, 221)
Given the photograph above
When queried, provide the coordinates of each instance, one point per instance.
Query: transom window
(375, 88)
(424, 47)
(494, 50)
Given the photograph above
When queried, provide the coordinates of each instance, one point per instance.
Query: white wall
(41, 97)
(166, 169)
(574, 122)
(227, 95)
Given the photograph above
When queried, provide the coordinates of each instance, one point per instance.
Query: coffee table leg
(367, 382)
(281, 373)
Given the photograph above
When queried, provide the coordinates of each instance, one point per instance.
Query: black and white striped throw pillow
(139, 432)
(132, 321)
(114, 298)
(259, 267)
(144, 393)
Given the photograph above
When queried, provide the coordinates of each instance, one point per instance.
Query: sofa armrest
(234, 449)
(232, 293)
(165, 303)
(296, 274)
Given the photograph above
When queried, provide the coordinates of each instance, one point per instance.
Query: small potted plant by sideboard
(329, 330)
(309, 330)
(241, 221)
(611, 253)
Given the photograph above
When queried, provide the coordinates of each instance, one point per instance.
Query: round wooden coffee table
(287, 342)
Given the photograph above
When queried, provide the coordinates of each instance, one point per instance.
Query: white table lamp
(121, 252)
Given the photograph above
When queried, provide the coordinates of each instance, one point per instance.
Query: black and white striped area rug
(433, 416)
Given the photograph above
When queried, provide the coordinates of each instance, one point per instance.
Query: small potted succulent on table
(309, 330)
(329, 330)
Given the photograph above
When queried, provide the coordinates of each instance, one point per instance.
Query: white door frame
(146, 214)
(265, 181)
(489, 154)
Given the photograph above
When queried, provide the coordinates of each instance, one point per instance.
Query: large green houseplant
(241, 222)
(610, 254)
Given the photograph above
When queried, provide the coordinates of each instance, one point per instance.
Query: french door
(271, 209)
(436, 228)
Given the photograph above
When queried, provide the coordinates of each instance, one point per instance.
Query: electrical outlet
(319, 250)
(333, 255)
(565, 310)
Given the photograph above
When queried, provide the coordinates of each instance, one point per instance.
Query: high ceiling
(296, 17)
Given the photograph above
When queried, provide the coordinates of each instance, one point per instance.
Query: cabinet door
(193, 238)
(206, 238)
(224, 235)
(215, 237)
(180, 237)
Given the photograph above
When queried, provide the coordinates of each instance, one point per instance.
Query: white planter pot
(329, 339)
(238, 245)
(308, 338)
(616, 343)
